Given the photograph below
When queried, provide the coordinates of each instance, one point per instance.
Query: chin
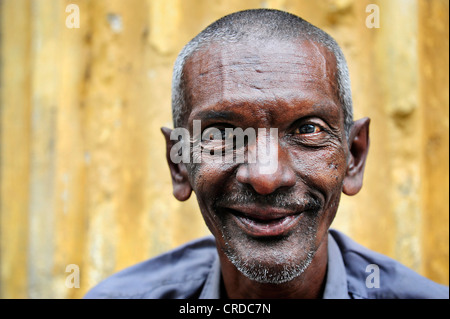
(271, 260)
(270, 273)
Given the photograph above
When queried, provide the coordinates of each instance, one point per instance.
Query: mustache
(278, 199)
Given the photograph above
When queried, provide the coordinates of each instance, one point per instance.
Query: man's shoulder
(179, 273)
(373, 275)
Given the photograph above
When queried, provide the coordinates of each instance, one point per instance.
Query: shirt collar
(211, 288)
(336, 282)
(335, 286)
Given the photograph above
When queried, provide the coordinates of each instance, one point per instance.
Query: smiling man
(266, 71)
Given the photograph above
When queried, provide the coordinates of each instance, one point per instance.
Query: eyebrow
(218, 115)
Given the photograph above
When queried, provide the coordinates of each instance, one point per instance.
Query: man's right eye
(213, 134)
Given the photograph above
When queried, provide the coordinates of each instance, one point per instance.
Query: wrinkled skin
(288, 85)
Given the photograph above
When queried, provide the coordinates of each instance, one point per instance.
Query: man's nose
(266, 183)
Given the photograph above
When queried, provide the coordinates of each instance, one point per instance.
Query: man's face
(269, 225)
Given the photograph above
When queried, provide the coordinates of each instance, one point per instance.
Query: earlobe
(182, 189)
(359, 147)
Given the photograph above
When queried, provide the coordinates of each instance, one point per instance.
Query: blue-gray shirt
(193, 271)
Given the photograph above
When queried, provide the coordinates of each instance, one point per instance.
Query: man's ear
(359, 147)
(182, 189)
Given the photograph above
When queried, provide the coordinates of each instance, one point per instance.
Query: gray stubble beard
(261, 273)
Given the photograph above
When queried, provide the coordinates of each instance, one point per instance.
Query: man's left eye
(308, 129)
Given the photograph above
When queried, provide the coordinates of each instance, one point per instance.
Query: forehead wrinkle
(295, 65)
(217, 63)
(320, 55)
(198, 67)
(327, 69)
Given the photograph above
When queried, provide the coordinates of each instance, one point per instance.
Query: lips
(265, 222)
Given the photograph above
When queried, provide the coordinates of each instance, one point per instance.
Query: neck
(308, 285)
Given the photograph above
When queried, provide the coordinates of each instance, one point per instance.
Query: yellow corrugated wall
(82, 169)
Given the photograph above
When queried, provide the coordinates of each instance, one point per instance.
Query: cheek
(322, 170)
(208, 181)
(207, 178)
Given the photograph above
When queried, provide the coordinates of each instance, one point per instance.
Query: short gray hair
(260, 24)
